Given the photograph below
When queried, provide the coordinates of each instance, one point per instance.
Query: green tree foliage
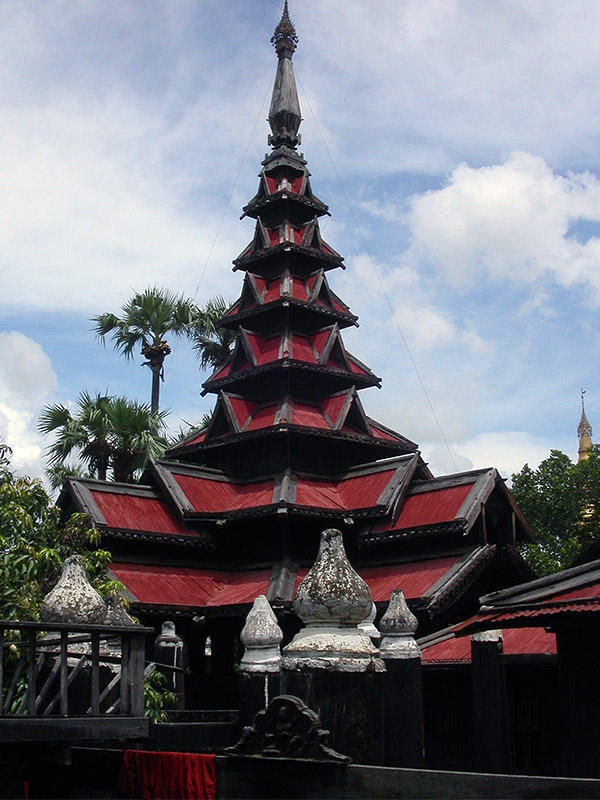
(33, 545)
(106, 433)
(212, 343)
(561, 501)
(145, 321)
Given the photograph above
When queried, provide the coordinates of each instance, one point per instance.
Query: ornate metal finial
(284, 38)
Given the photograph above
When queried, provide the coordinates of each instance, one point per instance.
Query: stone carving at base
(287, 728)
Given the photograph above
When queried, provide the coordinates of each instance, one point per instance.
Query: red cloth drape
(150, 775)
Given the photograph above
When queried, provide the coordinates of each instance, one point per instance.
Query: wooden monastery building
(236, 510)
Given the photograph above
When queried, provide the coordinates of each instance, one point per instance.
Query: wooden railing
(51, 673)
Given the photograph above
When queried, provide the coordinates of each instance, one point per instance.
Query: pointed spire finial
(284, 38)
(584, 432)
(284, 113)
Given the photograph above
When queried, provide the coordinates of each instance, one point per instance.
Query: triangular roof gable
(128, 510)
(211, 493)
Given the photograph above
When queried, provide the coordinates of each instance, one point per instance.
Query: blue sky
(456, 143)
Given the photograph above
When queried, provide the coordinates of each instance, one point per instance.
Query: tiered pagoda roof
(289, 449)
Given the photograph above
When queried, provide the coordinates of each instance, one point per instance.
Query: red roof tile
(215, 496)
(350, 493)
(517, 641)
(429, 508)
(414, 578)
(132, 512)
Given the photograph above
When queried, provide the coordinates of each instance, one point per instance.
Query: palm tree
(86, 432)
(106, 433)
(212, 343)
(146, 319)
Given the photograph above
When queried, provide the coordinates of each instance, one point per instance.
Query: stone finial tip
(261, 637)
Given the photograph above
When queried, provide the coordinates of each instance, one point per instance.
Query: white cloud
(26, 381)
(508, 451)
(513, 221)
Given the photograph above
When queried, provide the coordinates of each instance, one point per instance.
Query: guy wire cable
(376, 271)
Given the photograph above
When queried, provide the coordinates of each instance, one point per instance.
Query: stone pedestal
(333, 665)
(259, 672)
(491, 729)
(170, 652)
(403, 695)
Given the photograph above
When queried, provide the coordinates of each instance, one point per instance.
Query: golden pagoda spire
(584, 432)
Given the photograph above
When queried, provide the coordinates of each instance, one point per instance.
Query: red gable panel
(350, 493)
(333, 405)
(263, 418)
(302, 350)
(517, 641)
(130, 512)
(414, 578)
(242, 409)
(299, 289)
(310, 416)
(197, 439)
(429, 508)
(273, 292)
(296, 184)
(272, 186)
(213, 496)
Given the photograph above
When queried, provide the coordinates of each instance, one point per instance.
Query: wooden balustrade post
(95, 683)
(136, 675)
(125, 664)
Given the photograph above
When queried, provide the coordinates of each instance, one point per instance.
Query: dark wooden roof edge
(367, 468)
(544, 587)
(380, 426)
(201, 539)
(448, 481)
(214, 384)
(366, 537)
(80, 495)
(459, 578)
(334, 259)
(171, 488)
(292, 428)
(234, 319)
(474, 502)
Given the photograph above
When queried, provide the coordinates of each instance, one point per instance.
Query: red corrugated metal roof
(351, 493)
(544, 610)
(517, 641)
(310, 416)
(415, 578)
(429, 508)
(333, 405)
(580, 593)
(132, 512)
(187, 586)
(214, 496)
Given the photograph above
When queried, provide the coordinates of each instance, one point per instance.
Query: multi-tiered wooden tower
(236, 509)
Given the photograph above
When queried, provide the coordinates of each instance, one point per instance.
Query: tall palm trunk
(156, 375)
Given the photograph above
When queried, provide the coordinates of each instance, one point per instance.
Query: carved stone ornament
(398, 626)
(261, 637)
(331, 601)
(116, 614)
(368, 626)
(287, 728)
(73, 599)
(495, 635)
